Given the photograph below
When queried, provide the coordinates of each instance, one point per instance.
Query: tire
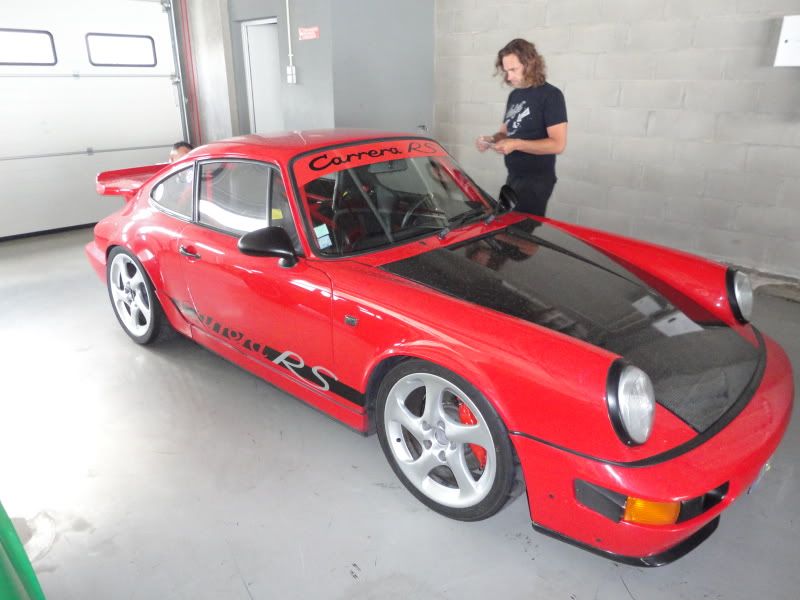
(432, 450)
(133, 298)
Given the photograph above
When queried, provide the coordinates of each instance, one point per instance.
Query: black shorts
(533, 192)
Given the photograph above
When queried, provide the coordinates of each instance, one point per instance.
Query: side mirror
(269, 241)
(508, 198)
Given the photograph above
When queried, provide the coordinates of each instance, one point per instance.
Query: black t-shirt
(529, 112)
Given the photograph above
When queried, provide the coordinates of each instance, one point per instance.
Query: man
(179, 149)
(534, 128)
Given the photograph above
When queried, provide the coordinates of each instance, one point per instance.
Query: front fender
(675, 274)
(432, 353)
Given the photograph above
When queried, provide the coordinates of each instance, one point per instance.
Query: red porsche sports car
(367, 274)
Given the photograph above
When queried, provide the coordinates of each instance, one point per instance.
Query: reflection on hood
(537, 273)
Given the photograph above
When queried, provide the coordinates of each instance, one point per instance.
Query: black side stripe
(314, 375)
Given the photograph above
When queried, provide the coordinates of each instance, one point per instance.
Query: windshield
(374, 195)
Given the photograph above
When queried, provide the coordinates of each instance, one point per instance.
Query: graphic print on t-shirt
(514, 115)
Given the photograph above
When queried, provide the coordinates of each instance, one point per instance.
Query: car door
(266, 311)
(171, 201)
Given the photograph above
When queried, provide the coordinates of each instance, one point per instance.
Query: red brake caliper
(467, 418)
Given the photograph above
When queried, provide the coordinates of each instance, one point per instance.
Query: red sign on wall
(308, 33)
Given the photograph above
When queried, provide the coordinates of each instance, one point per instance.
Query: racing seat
(355, 216)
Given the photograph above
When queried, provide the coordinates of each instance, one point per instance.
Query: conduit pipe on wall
(291, 72)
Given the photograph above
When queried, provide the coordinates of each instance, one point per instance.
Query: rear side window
(233, 196)
(27, 47)
(175, 193)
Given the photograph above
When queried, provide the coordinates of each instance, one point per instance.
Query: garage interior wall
(383, 64)
(372, 65)
(680, 130)
(309, 103)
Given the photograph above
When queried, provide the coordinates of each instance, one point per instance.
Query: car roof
(284, 145)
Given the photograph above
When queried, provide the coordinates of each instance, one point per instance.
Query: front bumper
(734, 456)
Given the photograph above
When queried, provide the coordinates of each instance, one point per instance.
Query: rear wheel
(133, 298)
(444, 441)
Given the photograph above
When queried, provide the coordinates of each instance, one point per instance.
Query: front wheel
(444, 441)
(133, 298)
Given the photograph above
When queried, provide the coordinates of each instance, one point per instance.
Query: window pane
(175, 193)
(26, 47)
(120, 50)
(387, 202)
(280, 214)
(233, 196)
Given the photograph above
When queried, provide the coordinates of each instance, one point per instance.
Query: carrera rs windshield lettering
(319, 163)
(323, 161)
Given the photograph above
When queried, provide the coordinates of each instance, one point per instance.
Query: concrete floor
(167, 472)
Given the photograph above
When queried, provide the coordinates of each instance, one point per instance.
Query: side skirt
(355, 417)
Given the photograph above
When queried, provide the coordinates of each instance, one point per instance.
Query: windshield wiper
(460, 220)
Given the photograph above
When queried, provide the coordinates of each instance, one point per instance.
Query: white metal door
(86, 86)
(262, 72)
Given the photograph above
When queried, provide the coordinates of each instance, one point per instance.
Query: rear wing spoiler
(126, 182)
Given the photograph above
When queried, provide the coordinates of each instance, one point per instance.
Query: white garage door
(85, 86)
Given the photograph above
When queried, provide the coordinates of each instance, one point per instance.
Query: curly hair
(535, 70)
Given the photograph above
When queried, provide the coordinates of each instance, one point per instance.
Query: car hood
(538, 273)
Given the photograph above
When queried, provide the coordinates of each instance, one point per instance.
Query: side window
(175, 193)
(233, 196)
(280, 214)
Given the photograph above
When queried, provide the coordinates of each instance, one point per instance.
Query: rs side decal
(319, 376)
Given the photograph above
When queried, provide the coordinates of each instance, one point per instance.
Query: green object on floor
(17, 577)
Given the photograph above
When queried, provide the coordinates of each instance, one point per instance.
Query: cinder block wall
(681, 132)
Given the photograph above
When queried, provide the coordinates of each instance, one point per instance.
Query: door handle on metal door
(183, 250)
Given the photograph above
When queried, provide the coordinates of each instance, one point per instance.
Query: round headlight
(740, 295)
(631, 403)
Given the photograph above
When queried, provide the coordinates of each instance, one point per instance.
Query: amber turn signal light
(648, 512)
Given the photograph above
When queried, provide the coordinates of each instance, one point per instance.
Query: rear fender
(146, 258)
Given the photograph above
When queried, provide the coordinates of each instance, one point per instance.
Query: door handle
(183, 250)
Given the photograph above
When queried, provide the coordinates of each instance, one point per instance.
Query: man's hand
(506, 146)
(484, 142)
(554, 143)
